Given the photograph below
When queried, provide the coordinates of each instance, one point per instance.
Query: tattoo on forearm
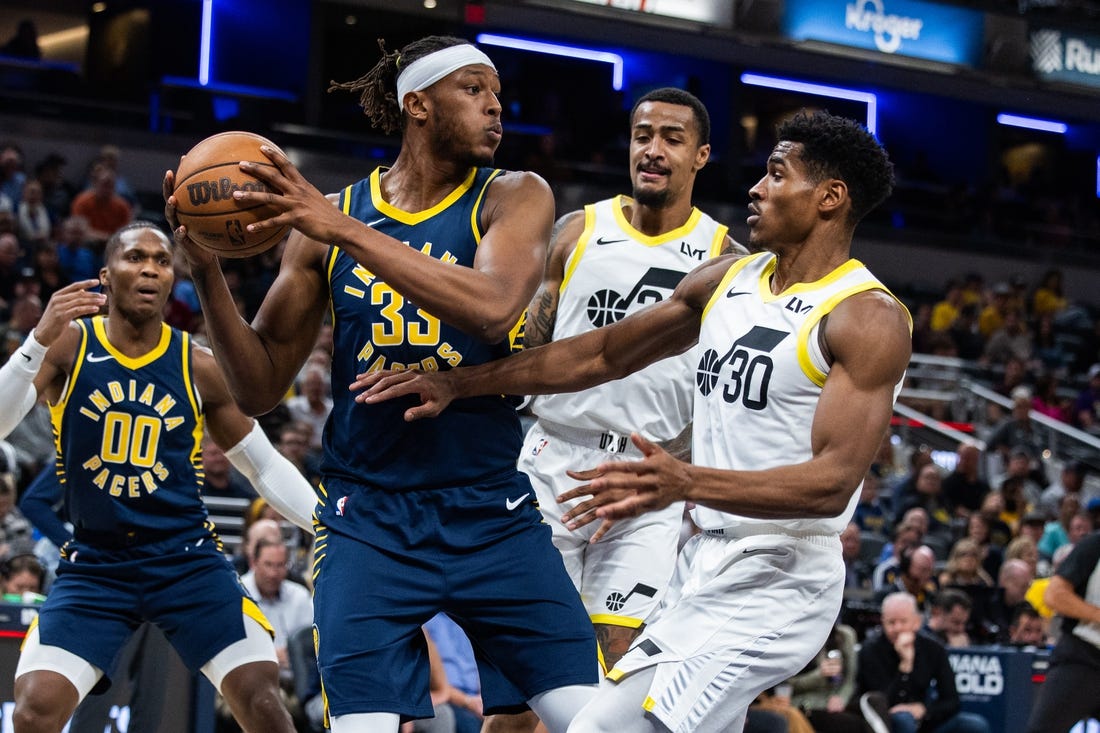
(540, 320)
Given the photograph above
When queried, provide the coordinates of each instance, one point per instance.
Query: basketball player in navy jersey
(427, 263)
(130, 399)
(800, 355)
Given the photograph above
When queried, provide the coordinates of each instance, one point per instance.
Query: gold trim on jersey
(645, 239)
(769, 269)
(719, 240)
(823, 309)
(78, 362)
(193, 398)
(99, 323)
(611, 619)
(582, 244)
(615, 674)
(408, 217)
(475, 223)
(736, 267)
(648, 704)
(30, 628)
(250, 609)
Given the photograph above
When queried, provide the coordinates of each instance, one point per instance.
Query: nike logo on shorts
(513, 503)
(93, 358)
(762, 551)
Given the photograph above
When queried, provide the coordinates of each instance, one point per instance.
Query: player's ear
(415, 107)
(834, 195)
(103, 279)
(702, 155)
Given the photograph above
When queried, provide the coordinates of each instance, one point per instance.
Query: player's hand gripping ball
(205, 181)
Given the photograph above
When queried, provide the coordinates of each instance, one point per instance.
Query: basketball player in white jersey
(801, 353)
(608, 260)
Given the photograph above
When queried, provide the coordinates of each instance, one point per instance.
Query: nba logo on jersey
(539, 446)
(340, 503)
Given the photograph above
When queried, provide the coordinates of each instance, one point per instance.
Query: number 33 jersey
(614, 271)
(760, 371)
(129, 433)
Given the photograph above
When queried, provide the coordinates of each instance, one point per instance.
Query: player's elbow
(495, 327)
(255, 405)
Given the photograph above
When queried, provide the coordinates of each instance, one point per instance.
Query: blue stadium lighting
(1098, 177)
(1032, 123)
(204, 41)
(555, 49)
(820, 90)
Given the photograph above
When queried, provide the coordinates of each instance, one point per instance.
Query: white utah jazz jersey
(613, 271)
(760, 373)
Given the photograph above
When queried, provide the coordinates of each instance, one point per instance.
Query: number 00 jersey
(375, 327)
(129, 433)
(760, 373)
(613, 271)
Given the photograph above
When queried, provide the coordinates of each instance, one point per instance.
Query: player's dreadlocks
(378, 87)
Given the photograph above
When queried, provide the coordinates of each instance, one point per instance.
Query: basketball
(205, 181)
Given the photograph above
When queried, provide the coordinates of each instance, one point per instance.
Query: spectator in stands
(24, 44)
(12, 177)
(108, 157)
(998, 532)
(1012, 339)
(823, 690)
(992, 316)
(922, 328)
(978, 531)
(295, 438)
(1013, 381)
(964, 566)
(75, 255)
(916, 576)
(33, 438)
(1027, 627)
(1070, 481)
(964, 488)
(313, 403)
(105, 211)
(871, 514)
(856, 572)
(464, 696)
(16, 534)
(1086, 408)
(1024, 548)
(1051, 354)
(920, 457)
(1070, 527)
(1012, 584)
(25, 312)
(914, 674)
(946, 311)
(969, 342)
(1023, 465)
(1015, 430)
(948, 617)
(1047, 401)
(24, 579)
(57, 193)
(255, 530)
(1048, 299)
(1074, 593)
(221, 478)
(10, 270)
(32, 220)
(927, 494)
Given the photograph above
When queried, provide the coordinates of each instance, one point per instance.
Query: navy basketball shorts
(186, 587)
(385, 563)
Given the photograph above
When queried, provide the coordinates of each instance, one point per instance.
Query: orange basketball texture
(205, 181)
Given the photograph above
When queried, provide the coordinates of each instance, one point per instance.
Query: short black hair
(948, 598)
(837, 147)
(672, 95)
(115, 240)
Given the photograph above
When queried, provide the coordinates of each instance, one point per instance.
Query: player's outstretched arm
(485, 300)
(869, 337)
(40, 364)
(661, 330)
(248, 448)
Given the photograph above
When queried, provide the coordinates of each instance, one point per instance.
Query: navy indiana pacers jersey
(129, 434)
(375, 327)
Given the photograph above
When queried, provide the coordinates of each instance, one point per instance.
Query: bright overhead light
(557, 49)
(1032, 123)
(99, 7)
(819, 90)
(59, 38)
(204, 41)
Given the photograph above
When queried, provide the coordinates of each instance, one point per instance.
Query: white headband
(427, 70)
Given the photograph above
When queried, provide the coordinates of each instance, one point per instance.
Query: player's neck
(806, 263)
(133, 337)
(653, 221)
(418, 180)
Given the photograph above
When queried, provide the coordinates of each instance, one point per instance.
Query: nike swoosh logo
(24, 356)
(735, 293)
(93, 358)
(513, 503)
(761, 551)
(601, 240)
(376, 221)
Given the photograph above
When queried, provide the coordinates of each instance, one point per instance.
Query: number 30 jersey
(129, 434)
(760, 371)
(614, 271)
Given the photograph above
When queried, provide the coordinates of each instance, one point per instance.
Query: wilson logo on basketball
(204, 192)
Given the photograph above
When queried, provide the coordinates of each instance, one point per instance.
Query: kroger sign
(905, 27)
